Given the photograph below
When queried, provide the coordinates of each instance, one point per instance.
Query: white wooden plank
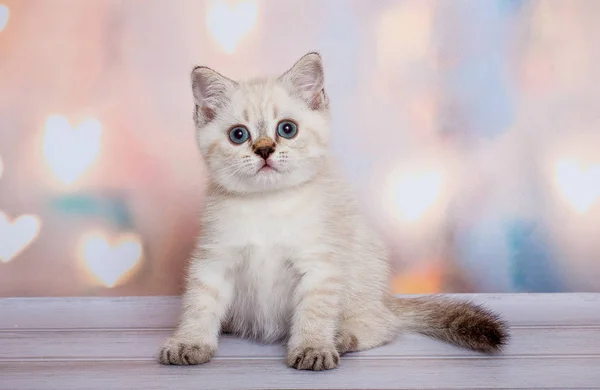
(523, 373)
(163, 312)
(144, 344)
(89, 312)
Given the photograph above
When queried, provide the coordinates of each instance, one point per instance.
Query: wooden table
(110, 343)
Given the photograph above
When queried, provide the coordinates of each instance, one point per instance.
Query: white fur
(283, 254)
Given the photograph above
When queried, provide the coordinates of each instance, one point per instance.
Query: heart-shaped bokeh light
(70, 151)
(411, 194)
(229, 23)
(17, 235)
(4, 15)
(110, 260)
(579, 186)
(403, 35)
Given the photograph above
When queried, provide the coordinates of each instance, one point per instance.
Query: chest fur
(263, 238)
(275, 224)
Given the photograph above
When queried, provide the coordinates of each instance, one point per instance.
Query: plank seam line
(282, 358)
(167, 329)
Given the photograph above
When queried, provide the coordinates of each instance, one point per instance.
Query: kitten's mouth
(266, 168)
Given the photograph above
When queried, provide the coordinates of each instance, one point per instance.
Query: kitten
(284, 253)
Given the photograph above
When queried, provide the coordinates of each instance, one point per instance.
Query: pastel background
(470, 130)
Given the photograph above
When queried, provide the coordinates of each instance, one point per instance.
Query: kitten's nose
(264, 151)
(264, 147)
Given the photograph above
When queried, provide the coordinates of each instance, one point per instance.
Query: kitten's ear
(211, 91)
(306, 80)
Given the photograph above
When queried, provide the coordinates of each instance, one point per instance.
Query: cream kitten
(284, 253)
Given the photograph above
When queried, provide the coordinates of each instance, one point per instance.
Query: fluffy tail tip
(477, 328)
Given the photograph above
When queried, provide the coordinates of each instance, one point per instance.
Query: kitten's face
(263, 135)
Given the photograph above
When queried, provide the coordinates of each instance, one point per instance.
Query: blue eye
(239, 135)
(287, 129)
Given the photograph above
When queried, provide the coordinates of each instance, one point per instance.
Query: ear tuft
(211, 91)
(306, 80)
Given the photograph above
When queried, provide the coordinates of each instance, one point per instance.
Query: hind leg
(366, 330)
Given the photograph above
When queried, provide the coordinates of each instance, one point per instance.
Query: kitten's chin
(266, 179)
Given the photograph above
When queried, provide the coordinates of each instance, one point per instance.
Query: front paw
(316, 359)
(184, 353)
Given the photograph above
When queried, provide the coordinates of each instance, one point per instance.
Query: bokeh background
(469, 128)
